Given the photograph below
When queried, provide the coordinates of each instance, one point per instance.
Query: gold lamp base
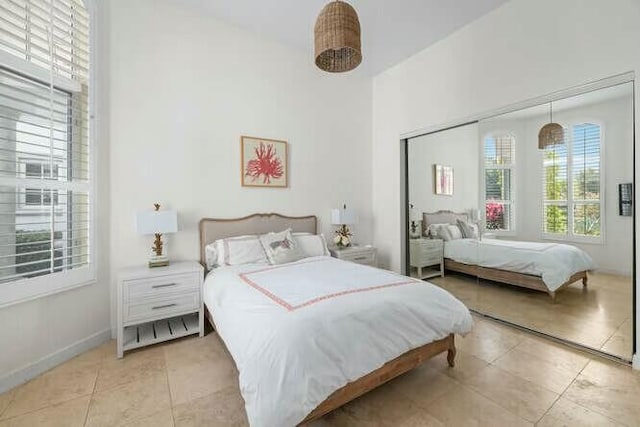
(158, 261)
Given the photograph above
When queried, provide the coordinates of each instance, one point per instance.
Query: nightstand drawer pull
(360, 258)
(136, 290)
(164, 286)
(158, 307)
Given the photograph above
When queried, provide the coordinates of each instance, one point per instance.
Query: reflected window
(499, 177)
(572, 203)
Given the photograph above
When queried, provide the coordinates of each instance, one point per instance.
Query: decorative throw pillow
(468, 230)
(441, 231)
(455, 232)
(434, 230)
(281, 247)
(211, 256)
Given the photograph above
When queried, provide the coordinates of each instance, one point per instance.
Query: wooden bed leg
(584, 281)
(451, 353)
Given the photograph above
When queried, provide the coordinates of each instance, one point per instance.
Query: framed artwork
(443, 180)
(264, 162)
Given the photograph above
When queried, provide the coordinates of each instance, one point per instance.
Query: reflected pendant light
(337, 38)
(551, 133)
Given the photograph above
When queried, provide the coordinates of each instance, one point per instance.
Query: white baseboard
(636, 361)
(24, 374)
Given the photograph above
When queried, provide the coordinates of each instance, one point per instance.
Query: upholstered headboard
(441, 217)
(212, 229)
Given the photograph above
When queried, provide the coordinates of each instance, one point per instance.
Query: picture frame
(443, 180)
(263, 162)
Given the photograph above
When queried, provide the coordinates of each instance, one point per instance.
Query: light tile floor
(599, 317)
(503, 377)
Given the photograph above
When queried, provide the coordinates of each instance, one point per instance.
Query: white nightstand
(366, 255)
(159, 304)
(427, 253)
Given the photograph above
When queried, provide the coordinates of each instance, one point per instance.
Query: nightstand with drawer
(366, 255)
(159, 304)
(424, 253)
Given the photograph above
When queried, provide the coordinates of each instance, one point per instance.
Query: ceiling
(392, 30)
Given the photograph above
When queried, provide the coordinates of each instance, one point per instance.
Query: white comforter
(554, 262)
(300, 331)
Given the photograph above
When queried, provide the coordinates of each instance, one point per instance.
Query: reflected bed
(546, 267)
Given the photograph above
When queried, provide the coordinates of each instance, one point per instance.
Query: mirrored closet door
(527, 217)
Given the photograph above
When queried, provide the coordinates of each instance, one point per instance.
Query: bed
(546, 267)
(290, 327)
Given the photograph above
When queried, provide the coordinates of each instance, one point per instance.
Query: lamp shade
(550, 134)
(152, 222)
(343, 217)
(337, 38)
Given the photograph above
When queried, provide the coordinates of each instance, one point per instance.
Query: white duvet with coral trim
(555, 263)
(300, 331)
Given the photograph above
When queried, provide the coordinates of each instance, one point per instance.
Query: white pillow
(476, 231)
(311, 244)
(280, 247)
(455, 232)
(235, 251)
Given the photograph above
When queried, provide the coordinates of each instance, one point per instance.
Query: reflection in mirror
(447, 160)
(537, 230)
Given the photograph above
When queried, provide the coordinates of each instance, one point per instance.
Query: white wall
(519, 51)
(458, 148)
(185, 87)
(615, 253)
(37, 334)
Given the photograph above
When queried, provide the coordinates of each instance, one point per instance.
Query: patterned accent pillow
(455, 232)
(468, 230)
(281, 247)
(434, 230)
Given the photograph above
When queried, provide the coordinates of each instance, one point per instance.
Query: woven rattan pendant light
(337, 38)
(551, 133)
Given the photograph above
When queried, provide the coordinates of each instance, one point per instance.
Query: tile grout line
(93, 392)
(166, 372)
(491, 399)
(13, 397)
(582, 406)
(596, 412)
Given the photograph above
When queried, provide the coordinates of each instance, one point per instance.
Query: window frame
(513, 183)
(27, 289)
(570, 236)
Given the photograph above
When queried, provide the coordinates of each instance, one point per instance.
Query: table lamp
(157, 222)
(343, 217)
(415, 217)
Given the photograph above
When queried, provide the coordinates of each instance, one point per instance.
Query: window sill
(498, 233)
(18, 292)
(580, 240)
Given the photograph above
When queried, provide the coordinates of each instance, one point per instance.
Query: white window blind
(572, 188)
(45, 159)
(499, 177)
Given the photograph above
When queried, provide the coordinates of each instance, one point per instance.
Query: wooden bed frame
(212, 229)
(509, 277)
(528, 281)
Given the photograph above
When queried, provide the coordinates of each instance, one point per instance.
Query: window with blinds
(45, 158)
(499, 175)
(572, 188)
